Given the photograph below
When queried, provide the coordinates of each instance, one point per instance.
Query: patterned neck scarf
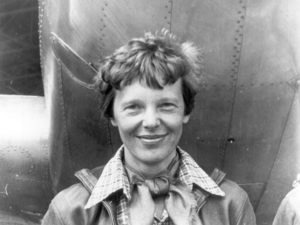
(158, 185)
(173, 196)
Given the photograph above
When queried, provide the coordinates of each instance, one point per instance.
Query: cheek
(127, 125)
(174, 122)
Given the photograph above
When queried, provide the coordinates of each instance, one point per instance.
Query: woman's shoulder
(233, 208)
(235, 196)
(72, 198)
(77, 195)
(67, 207)
(233, 190)
(76, 192)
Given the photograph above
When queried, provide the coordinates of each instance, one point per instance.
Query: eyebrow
(172, 99)
(131, 101)
(140, 101)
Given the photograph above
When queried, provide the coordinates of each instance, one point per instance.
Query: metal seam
(102, 46)
(62, 107)
(103, 28)
(278, 148)
(238, 42)
(41, 16)
(170, 12)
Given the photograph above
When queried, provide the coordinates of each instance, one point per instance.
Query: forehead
(140, 91)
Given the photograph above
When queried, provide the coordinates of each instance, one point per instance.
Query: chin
(152, 158)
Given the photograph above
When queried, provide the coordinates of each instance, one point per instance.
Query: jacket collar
(192, 175)
(114, 178)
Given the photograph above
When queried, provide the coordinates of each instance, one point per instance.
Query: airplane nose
(151, 119)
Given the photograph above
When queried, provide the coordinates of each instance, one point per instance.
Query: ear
(113, 122)
(186, 119)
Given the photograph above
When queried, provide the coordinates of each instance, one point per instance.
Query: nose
(151, 119)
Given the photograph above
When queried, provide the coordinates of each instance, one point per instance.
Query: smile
(151, 138)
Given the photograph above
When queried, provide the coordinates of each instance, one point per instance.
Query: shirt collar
(191, 174)
(114, 178)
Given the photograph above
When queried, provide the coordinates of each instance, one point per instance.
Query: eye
(132, 108)
(168, 106)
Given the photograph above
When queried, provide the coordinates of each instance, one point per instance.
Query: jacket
(67, 208)
(289, 210)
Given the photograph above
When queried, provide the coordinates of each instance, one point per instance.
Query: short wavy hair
(156, 60)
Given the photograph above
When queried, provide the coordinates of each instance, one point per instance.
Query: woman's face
(150, 122)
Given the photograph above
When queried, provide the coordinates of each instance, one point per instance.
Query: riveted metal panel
(217, 27)
(123, 20)
(264, 93)
(259, 118)
(25, 185)
(285, 168)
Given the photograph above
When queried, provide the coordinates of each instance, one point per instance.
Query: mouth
(152, 139)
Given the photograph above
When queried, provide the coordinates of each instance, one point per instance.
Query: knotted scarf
(166, 193)
(159, 184)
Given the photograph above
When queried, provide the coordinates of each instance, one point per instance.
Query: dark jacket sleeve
(52, 216)
(67, 208)
(246, 215)
(233, 209)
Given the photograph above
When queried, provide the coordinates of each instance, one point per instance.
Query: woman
(148, 88)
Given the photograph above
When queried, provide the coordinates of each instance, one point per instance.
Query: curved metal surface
(19, 52)
(25, 187)
(244, 109)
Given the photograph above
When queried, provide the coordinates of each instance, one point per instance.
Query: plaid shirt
(114, 178)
